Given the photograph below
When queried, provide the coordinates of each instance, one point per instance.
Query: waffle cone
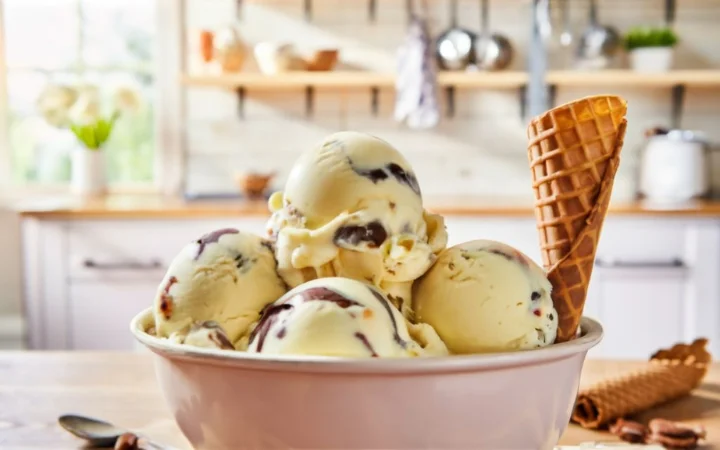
(669, 375)
(574, 154)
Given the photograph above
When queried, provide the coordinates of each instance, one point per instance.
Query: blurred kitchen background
(203, 101)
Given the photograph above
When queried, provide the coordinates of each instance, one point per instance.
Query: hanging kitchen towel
(416, 101)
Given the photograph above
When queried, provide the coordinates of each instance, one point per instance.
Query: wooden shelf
(621, 78)
(510, 79)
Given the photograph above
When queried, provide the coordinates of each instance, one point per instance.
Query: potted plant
(78, 110)
(651, 49)
(88, 160)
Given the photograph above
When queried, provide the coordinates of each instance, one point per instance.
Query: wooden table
(37, 387)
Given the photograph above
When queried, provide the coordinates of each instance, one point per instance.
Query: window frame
(168, 99)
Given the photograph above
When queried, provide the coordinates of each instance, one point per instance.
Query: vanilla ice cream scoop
(226, 276)
(208, 334)
(333, 317)
(485, 296)
(352, 208)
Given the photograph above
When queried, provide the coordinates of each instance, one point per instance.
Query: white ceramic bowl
(235, 400)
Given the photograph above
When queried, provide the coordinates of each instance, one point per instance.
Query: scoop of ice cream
(226, 276)
(333, 317)
(485, 296)
(352, 208)
(208, 334)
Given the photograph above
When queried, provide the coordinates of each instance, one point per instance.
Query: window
(69, 57)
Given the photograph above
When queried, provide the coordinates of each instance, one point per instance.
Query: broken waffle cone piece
(574, 153)
(670, 374)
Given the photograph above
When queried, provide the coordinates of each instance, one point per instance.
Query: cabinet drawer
(137, 248)
(650, 242)
(100, 313)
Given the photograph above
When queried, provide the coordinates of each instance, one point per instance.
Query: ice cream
(352, 208)
(208, 334)
(333, 317)
(226, 276)
(485, 296)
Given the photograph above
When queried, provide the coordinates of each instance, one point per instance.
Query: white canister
(88, 172)
(674, 167)
(651, 59)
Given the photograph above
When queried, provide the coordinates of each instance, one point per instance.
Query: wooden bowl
(323, 60)
(254, 185)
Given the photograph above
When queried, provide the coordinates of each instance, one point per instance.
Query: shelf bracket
(450, 99)
(309, 100)
(669, 13)
(678, 98)
(307, 9)
(522, 93)
(552, 94)
(241, 102)
(372, 10)
(374, 100)
(238, 10)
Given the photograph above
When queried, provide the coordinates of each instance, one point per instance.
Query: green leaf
(641, 37)
(102, 131)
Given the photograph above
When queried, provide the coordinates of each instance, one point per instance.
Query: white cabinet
(656, 281)
(641, 309)
(100, 312)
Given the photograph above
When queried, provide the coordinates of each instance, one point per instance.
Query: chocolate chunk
(221, 340)
(327, 295)
(268, 319)
(373, 233)
(551, 317)
(514, 256)
(268, 245)
(396, 335)
(366, 343)
(166, 300)
(535, 296)
(394, 170)
(211, 238)
(406, 178)
(240, 261)
(629, 431)
(281, 333)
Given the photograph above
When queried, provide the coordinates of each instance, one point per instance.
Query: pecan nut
(674, 435)
(127, 441)
(629, 431)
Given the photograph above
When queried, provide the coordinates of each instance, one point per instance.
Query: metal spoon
(99, 433)
(566, 37)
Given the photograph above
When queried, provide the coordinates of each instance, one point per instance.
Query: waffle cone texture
(574, 154)
(670, 374)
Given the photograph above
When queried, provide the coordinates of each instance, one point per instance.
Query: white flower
(86, 108)
(54, 104)
(127, 99)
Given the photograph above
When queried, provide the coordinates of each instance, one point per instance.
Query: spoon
(99, 433)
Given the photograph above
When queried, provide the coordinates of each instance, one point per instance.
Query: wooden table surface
(36, 387)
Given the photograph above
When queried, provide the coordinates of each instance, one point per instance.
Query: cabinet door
(100, 313)
(642, 310)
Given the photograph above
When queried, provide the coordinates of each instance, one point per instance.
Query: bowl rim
(591, 334)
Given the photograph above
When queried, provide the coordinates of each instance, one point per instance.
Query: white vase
(651, 59)
(88, 172)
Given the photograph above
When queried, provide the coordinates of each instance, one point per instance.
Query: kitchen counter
(162, 207)
(37, 387)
